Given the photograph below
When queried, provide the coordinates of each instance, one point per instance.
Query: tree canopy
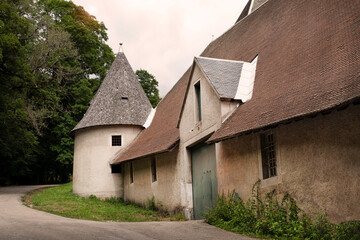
(149, 84)
(53, 57)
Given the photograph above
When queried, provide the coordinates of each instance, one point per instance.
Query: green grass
(61, 201)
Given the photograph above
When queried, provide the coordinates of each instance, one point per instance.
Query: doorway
(204, 182)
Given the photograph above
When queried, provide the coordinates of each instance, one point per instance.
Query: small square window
(116, 140)
(268, 155)
(116, 168)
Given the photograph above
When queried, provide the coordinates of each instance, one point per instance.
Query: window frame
(268, 155)
(113, 139)
(197, 99)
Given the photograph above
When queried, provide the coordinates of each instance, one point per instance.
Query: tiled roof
(245, 11)
(162, 134)
(119, 100)
(224, 75)
(253, 4)
(308, 61)
(256, 4)
(230, 79)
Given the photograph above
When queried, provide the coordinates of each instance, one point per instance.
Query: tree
(90, 66)
(17, 140)
(149, 84)
(53, 57)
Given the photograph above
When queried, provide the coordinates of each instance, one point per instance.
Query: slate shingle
(224, 75)
(119, 100)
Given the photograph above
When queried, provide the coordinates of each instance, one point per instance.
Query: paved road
(20, 222)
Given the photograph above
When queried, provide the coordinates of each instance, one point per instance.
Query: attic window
(268, 155)
(124, 98)
(197, 101)
(116, 140)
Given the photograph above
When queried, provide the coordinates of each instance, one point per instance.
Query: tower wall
(93, 152)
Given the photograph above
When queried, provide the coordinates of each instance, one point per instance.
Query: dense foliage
(53, 57)
(149, 84)
(271, 218)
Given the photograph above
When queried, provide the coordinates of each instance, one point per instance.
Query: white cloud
(163, 36)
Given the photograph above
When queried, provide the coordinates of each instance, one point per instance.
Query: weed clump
(270, 218)
(114, 200)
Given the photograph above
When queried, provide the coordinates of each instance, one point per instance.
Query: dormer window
(197, 101)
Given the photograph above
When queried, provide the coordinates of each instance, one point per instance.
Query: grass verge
(61, 201)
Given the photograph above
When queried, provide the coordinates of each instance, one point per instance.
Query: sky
(163, 36)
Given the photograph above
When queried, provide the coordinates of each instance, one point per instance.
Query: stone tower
(116, 115)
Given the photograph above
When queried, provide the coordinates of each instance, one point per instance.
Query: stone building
(275, 98)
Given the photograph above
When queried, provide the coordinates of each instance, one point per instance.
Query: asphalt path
(20, 222)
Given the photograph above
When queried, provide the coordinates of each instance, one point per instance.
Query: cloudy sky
(163, 36)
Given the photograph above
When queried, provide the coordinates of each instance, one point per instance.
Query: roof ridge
(223, 60)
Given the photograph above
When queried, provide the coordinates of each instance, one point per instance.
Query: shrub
(92, 197)
(348, 230)
(270, 217)
(151, 204)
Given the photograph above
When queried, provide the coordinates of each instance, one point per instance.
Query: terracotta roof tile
(162, 135)
(308, 60)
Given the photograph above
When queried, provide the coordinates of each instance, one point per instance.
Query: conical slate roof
(120, 99)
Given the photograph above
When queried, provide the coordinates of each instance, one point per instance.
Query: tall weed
(268, 217)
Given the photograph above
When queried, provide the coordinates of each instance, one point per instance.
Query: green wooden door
(204, 182)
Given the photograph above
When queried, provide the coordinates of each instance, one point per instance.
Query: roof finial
(121, 47)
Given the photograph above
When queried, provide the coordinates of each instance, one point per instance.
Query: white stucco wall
(166, 190)
(92, 153)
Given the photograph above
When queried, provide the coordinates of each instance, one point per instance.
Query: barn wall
(318, 163)
(165, 190)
